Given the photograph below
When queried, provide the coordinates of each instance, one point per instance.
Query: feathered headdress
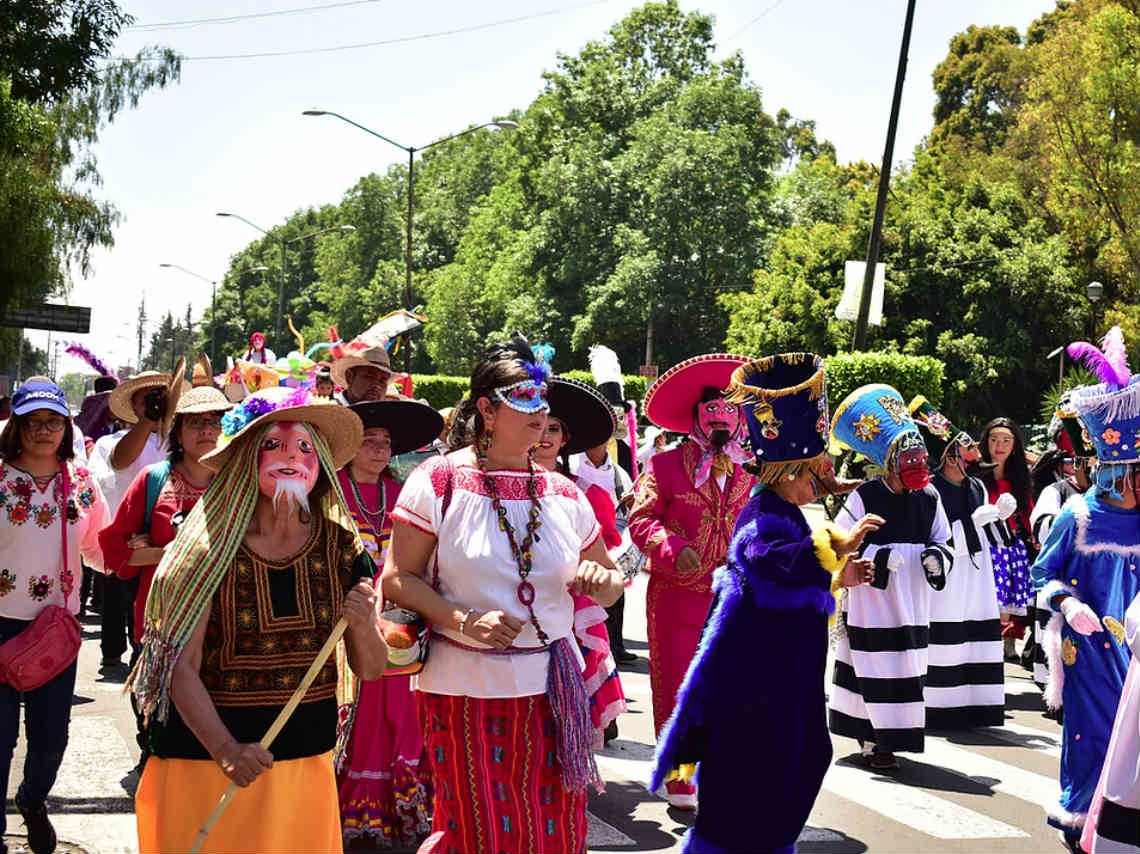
(100, 367)
(606, 368)
(1109, 411)
(1109, 362)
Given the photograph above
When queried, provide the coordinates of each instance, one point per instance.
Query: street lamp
(502, 124)
(213, 302)
(284, 261)
(1094, 291)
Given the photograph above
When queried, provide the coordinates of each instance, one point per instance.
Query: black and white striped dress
(965, 678)
(881, 656)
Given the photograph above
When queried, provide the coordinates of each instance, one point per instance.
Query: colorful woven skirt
(291, 807)
(497, 779)
(385, 793)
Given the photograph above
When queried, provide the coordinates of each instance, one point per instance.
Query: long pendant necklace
(374, 518)
(523, 555)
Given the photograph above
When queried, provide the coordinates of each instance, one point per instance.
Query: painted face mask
(718, 418)
(912, 468)
(287, 464)
(526, 396)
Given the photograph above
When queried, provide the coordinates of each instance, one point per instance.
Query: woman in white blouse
(503, 704)
(51, 511)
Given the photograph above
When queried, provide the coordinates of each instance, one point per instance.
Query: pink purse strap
(63, 520)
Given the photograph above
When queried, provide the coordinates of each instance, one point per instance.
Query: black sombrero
(410, 424)
(588, 416)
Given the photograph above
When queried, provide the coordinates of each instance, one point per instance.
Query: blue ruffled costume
(752, 706)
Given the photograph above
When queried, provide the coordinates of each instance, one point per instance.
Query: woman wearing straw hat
(385, 791)
(263, 569)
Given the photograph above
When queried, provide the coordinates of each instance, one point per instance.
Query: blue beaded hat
(784, 402)
(1109, 411)
(872, 421)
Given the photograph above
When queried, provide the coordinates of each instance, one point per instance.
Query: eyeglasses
(204, 423)
(45, 425)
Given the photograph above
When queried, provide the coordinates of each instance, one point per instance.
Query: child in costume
(1088, 575)
(768, 629)
(965, 677)
(881, 654)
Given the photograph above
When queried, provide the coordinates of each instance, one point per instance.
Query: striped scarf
(198, 559)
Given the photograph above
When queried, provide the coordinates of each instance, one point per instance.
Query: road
(977, 791)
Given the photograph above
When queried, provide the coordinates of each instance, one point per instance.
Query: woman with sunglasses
(502, 700)
(53, 510)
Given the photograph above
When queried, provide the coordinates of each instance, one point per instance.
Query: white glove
(986, 514)
(1081, 618)
(1006, 505)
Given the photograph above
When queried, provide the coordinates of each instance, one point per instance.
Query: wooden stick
(275, 729)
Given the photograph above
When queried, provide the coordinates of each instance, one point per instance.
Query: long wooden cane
(275, 729)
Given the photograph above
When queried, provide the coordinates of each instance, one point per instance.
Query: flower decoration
(45, 514)
(233, 421)
(1111, 437)
(938, 424)
(18, 513)
(7, 582)
(867, 427)
(253, 407)
(39, 587)
(22, 487)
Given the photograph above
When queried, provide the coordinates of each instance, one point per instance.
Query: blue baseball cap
(36, 394)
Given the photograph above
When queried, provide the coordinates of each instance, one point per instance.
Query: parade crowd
(272, 557)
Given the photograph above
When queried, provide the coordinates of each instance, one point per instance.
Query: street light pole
(213, 303)
(408, 230)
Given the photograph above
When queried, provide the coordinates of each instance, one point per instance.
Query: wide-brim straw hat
(372, 357)
(669, 401)
(587, 414)
(202, 399)
(121, 395)
(342, 429)
(410, 424)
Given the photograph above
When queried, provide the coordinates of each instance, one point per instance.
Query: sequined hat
(669, 401)
(1109, 411)
(784, 402)
(937, 430)
(871, 420)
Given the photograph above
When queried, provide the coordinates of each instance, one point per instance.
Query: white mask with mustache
(294, 487)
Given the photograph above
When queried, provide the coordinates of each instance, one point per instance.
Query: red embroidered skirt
(498, 784)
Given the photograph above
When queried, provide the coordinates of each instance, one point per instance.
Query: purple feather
(538, 371)
(1093, 359)
(77, 349)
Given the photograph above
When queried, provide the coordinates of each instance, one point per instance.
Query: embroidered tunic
(1093, 554)
(965, 676)
(881, 658)
(32, 573)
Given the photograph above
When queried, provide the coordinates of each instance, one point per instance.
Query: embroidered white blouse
(477, 569)
(32, 572)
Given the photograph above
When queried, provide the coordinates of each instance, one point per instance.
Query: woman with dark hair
(41, 491)
(489, 547)
(1008, 474)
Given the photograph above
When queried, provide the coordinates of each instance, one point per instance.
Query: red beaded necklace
(523, 555)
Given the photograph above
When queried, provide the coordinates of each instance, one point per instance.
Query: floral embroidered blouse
(32, 568)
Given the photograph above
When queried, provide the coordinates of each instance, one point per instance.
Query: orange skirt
(292, 807)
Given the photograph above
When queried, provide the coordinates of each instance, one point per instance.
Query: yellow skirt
(292, 807)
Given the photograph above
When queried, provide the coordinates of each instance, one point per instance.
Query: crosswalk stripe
(998, 776)
(1050, 743)
(915, 807)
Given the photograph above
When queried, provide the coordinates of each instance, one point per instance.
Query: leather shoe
(623, 656)
(41, 834)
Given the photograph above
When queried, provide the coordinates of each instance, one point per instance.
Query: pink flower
(1111, 437)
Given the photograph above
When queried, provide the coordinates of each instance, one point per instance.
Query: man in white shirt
(115, 461)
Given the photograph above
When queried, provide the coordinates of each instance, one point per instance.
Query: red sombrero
(669, 401)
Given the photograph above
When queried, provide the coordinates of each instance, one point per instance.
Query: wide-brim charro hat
(938, 432)
(205, 398)
(871, 420)
(669, 401)
(120, 400)
(588, 416)
(341, 429)
(371, 357)
(410, 424)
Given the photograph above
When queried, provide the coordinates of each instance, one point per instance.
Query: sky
(230, 136)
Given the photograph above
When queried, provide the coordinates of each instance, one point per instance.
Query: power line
(193, 22)
(399, 40)
(771, 8)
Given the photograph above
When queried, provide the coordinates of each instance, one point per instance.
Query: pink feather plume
(77, 349)
(1110, 365)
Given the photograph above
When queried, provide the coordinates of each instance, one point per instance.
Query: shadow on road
(616, 808)
(921, 775)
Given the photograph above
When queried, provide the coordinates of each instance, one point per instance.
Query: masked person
(741, 707)
(1087, 574)
(881, 652)
(261, 571)
(685, 507)
(965, 677)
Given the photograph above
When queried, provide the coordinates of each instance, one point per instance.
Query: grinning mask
(287, 464)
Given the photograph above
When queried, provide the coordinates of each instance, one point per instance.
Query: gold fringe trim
(739, 391)
(686, 772)
(916, 403)
(770, 472)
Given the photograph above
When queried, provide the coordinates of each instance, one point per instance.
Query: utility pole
(860, 340)
(142, 323)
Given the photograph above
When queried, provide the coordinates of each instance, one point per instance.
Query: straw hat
(120, 400)
(202, 399)
(371, 357)
(340, 428)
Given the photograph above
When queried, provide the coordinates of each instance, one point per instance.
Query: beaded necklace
(523, 555)
(375, 519)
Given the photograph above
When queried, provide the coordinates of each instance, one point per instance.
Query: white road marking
(998, 776)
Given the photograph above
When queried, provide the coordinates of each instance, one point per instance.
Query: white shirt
(588, 474)
(265, 357)
(32, 573)
(116, 483)
(477, 569)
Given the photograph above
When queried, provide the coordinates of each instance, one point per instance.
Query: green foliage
(1075, 376)
(439, 391)
(911, 375)
(635, 386)
(74, 387)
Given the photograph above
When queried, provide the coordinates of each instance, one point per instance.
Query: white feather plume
(605, 367)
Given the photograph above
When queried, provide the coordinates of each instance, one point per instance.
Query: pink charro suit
(669, 513)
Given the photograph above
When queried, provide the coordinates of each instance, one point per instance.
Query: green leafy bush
(911, 375)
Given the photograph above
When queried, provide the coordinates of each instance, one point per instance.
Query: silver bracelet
(463, 623)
